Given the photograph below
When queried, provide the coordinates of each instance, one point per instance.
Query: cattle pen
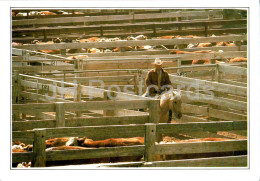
(91, 86)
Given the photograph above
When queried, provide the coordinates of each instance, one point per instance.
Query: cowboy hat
(157, 61)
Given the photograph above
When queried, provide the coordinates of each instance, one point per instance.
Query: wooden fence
(131, 24)
(238, 105)
(39, 156)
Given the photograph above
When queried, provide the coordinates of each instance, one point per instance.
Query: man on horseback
(157, 80)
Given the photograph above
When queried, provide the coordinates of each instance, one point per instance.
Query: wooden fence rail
(106, 28)
(113, 18)
(40, 156)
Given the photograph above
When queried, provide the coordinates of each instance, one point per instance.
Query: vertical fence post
(60, 114)
(107, 95)
(17, 87)
(101, 31)
(179, 65)
(150, 138)
(213, 61)
(154, 108)
(154, 115)
(217, 76)
(206, 29)
(78, 113)
(39, 146)
(154, 30)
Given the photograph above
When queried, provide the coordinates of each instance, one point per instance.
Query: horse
(170, 102)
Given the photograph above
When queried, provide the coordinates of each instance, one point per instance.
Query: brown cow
(111, 142)
(205, 45)
(238, 59)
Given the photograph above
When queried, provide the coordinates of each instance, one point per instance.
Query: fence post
(206, 29)
(60, 114)
(154, 115)
(39, 146)
(150, 138)
(78, 99)
(17, 87)
(213, 61)
(154, 108)
(179, 65)
(106, 97)
(217, 75)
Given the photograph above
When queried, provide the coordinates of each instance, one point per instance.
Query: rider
(157, 81)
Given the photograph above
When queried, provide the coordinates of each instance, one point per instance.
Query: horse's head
(174, 102)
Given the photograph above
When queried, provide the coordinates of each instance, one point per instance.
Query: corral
(65, 90)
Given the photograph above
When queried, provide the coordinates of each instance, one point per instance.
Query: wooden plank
(43, 98)
(106, 105)
(201, 147)
(43, 68)
(22, 157)
(226, 115)
(39, 146)
(60, 114)
(199, 110)
(204, 126)
(32, 124)
(43, 107)
(233, 70)
(108, 18)
(205, 111)
(95, 153)
(122, 164)
(236, 83)
(200, 84)
(23, 136)
(135, 26)
(231, 161)
(98, 132)
(103, 78)
(85, 90)
(116, 120)
(150, 138)
(187, 118)
(154, 108)
(189, 97)
(132, 43)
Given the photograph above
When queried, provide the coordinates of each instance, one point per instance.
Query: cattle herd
(141, 48)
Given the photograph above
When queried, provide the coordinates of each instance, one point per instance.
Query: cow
(111, 142)
(200, 45)
(237, 59)
(57, 40)
(66, 141)
(20, 147)
(85, 143)
(47, 13)
(201, 61)
(225, 44)
(186, 52)
(166, 37)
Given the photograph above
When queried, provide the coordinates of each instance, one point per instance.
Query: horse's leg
(170, 116)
